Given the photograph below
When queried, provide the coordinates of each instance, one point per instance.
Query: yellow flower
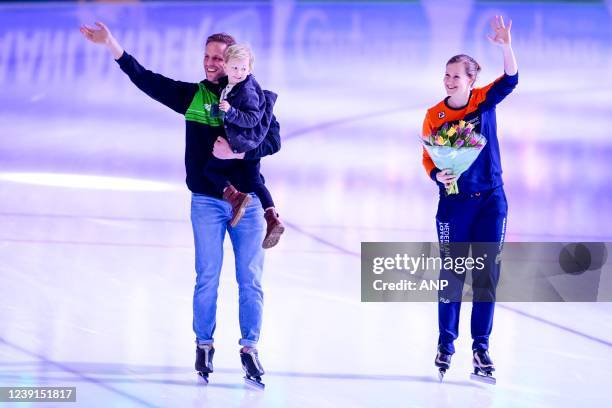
(451, 131)
(440, 140)
(462, 123)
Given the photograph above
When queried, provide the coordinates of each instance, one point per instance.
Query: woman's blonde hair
(239, 51)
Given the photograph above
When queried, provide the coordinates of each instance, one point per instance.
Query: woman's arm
(503, 39)
(444, 177)
(496, 91)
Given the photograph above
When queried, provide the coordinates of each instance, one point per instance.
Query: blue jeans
(209, 218)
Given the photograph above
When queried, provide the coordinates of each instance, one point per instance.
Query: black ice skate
(252, 368)
(483, 367)
(443, 363)
(204, 361)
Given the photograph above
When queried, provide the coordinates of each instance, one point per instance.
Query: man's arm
(270, 145)
(103, 36)
(176, 95)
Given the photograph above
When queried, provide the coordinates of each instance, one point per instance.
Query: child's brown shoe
(238, 201)
(275, 228)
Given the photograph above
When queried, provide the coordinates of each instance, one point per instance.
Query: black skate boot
(483, 367)
(204, 361)
(443, 361)
(252, 368)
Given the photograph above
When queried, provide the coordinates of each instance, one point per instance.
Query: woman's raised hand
(501, 35)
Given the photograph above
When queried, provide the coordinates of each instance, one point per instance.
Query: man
(209, 213)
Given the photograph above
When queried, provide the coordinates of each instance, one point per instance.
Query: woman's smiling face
(456, 81)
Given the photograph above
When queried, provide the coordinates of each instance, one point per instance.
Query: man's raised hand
(102, 35)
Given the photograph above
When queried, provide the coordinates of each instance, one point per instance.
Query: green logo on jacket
(200, 108)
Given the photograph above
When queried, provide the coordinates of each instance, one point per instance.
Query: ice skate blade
(487, 379)
(441, 373)
(202, 378)
(254, 383)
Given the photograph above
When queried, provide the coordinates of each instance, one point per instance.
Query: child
(477, 215)
(247, 112)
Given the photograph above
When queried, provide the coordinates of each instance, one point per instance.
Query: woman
(478, 213)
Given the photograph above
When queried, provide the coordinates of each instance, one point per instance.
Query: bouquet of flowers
(454, 147)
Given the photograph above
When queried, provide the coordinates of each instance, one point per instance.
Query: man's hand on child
(224, 106)
(223, 151)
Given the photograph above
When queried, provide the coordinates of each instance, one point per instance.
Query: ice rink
(96, 247)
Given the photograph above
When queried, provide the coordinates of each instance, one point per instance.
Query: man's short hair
(221, 38)
(239, 51)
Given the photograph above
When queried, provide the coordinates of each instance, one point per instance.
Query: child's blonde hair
(239, 51)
